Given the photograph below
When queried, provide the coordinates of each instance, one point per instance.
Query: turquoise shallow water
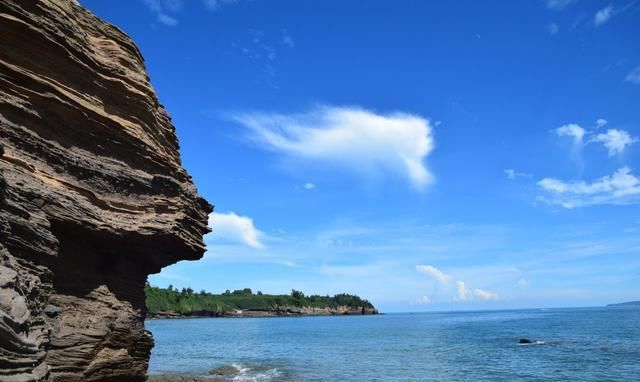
(588, 344)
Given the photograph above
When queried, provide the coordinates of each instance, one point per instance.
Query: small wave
(244, 373)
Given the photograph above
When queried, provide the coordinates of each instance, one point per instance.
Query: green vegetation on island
(187, 302)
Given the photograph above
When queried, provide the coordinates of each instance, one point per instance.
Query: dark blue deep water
(588, 344)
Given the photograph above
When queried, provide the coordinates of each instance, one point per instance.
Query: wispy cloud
(264, 49)
(552, 28)
(163, 8)
(513, 174)
(434, 273)
(620, 188)
(603, 15)
(615, 140)
(559, 5)
(287, 40)
(309, 186)
(349, 137)
(601, 122)
(573, 131)
(215, 4)
(234, 228)
(634, 76)
(462, 293)
(485, 294)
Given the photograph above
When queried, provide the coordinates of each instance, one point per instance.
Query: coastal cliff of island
(173, 303)
(93, 197)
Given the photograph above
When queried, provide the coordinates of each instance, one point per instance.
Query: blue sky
(426, 156)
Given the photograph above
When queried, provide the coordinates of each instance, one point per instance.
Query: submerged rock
(93, 197)
(181, 378)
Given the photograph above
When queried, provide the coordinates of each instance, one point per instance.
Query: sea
(577, 344)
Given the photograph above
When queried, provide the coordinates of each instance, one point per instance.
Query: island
(174, 303)
(628, 303)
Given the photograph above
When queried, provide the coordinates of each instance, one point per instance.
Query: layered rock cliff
(93, 197)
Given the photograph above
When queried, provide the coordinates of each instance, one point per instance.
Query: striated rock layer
(93, 197)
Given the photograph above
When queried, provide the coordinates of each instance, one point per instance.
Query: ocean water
(586, 344)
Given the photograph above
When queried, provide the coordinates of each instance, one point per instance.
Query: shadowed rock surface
(93, 197)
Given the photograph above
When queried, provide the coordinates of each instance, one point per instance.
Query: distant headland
(628, 303)
(174, 303)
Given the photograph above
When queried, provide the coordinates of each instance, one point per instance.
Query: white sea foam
(248, 374)
(533, 343)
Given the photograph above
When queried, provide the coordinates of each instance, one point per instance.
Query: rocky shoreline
(181, 378)
(256, 313)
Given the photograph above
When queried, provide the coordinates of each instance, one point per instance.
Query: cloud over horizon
(435, 273)
(353, 138)
(462, 293)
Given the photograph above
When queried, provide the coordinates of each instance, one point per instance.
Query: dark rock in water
(93, 197)
(525, 341)
(225, 370)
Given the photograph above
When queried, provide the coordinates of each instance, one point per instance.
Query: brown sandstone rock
(93, 197)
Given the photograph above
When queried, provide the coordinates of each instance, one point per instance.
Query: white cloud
(522, 283)
(167, 20)
(435, 273)
(287, 39)
(424, 300)
(215, 4)
(162, 8)
(513, 174)
(603, 15)
(559, 4)
(615, 140)
(552, 28)
(634, 76)
(485, 294)
(462, 293)
(620, 188)
(309, 186)
(571, 130)
(350, 137)
(229, 226)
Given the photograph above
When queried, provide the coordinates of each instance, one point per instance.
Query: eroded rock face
(93, 197)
